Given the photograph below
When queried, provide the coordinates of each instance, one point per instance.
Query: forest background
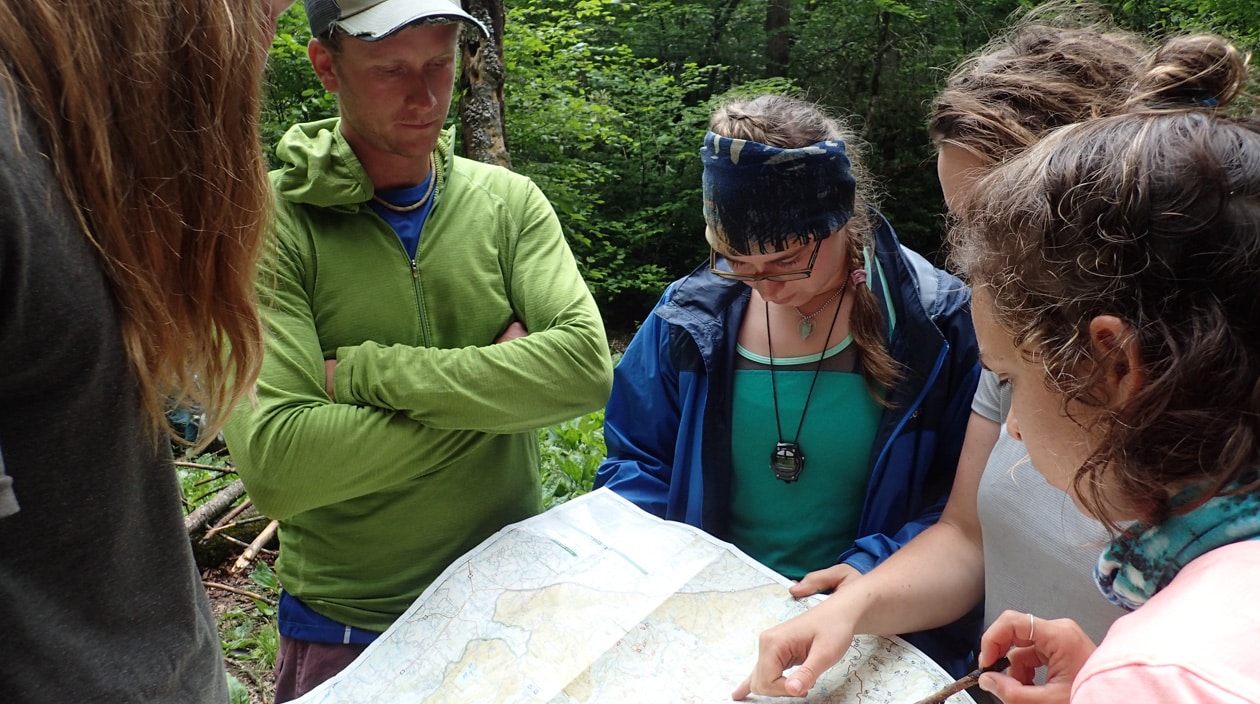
(604, 104)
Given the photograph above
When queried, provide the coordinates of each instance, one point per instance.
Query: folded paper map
(596, 601)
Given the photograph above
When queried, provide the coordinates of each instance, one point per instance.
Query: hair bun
(1198, 71)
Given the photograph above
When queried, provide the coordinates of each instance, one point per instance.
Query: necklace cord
(817, 368)
(423, 199)
(824, 305)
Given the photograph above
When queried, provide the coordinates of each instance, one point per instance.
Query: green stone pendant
(807, 327)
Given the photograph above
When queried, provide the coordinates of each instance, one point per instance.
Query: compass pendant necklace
(788, 461)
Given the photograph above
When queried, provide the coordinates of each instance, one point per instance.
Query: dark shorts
(302, 665)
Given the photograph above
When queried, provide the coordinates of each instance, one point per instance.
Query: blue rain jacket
(668, 429)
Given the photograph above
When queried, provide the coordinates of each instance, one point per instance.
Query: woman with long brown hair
(1005, 539)
(133, 206)
(803, 394)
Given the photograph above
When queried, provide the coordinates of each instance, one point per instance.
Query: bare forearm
(932, 581)
(938, 577)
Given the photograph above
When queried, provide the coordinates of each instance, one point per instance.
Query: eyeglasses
(780, 276)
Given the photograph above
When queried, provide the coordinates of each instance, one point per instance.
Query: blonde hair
(790, 123)
(149, 110)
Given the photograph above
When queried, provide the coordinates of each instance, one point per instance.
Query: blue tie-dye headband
(763, 198)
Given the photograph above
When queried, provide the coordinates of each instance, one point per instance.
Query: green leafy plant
(265, 578)
(611, 137)
(571, 453)
(203, 476)
(293, 93)
(238, 693)
(248, 635)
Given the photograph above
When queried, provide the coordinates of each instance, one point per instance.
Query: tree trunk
(778, 37)
(721, 17)
(481, 86)
(884, 47)
(205, 514)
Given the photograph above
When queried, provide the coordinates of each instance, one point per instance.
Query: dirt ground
(260, 683)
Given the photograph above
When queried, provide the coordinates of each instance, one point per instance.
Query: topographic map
(594, 602)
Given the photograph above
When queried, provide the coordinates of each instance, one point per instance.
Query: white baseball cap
(376, 19)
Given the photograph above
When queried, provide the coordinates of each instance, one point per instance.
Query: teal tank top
(796, 528)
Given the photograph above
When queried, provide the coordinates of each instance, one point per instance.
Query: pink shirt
(1197, 641)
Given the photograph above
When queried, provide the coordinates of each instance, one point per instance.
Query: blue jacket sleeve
(957, 380)
(872, 549)
(641, 422)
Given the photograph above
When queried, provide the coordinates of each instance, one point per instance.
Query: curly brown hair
(1059, 64)
(1152, 216)
(788, 122)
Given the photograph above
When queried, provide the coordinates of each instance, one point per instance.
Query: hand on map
(1060, 645)
(823, 581)
(814, 640)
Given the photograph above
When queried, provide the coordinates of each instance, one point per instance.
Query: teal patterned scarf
(1133, 568)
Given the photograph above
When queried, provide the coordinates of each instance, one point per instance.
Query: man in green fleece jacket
(425, 318)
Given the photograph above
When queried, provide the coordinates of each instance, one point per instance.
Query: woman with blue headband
(804, 393)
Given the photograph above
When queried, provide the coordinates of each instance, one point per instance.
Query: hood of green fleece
(319, 167)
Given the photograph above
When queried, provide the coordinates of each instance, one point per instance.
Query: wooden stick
(234, 590)
(251, 552)
(234, 524)
(226, 521)
(197, 465)
(967, 680)
(198, 519)
(233, 540)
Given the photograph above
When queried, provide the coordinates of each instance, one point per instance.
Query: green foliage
(606, 102)
(269, 586)
(1237, 20)
(237, 693)
(611, 138)
(249, 640)
(293, 93)
(880, 64)
(203, 476)
(571, 453)
(249, 636)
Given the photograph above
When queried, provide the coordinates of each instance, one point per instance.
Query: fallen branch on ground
(208, 511)
(235, 590)
(226, 521)
(198, 465)
(251, 552)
